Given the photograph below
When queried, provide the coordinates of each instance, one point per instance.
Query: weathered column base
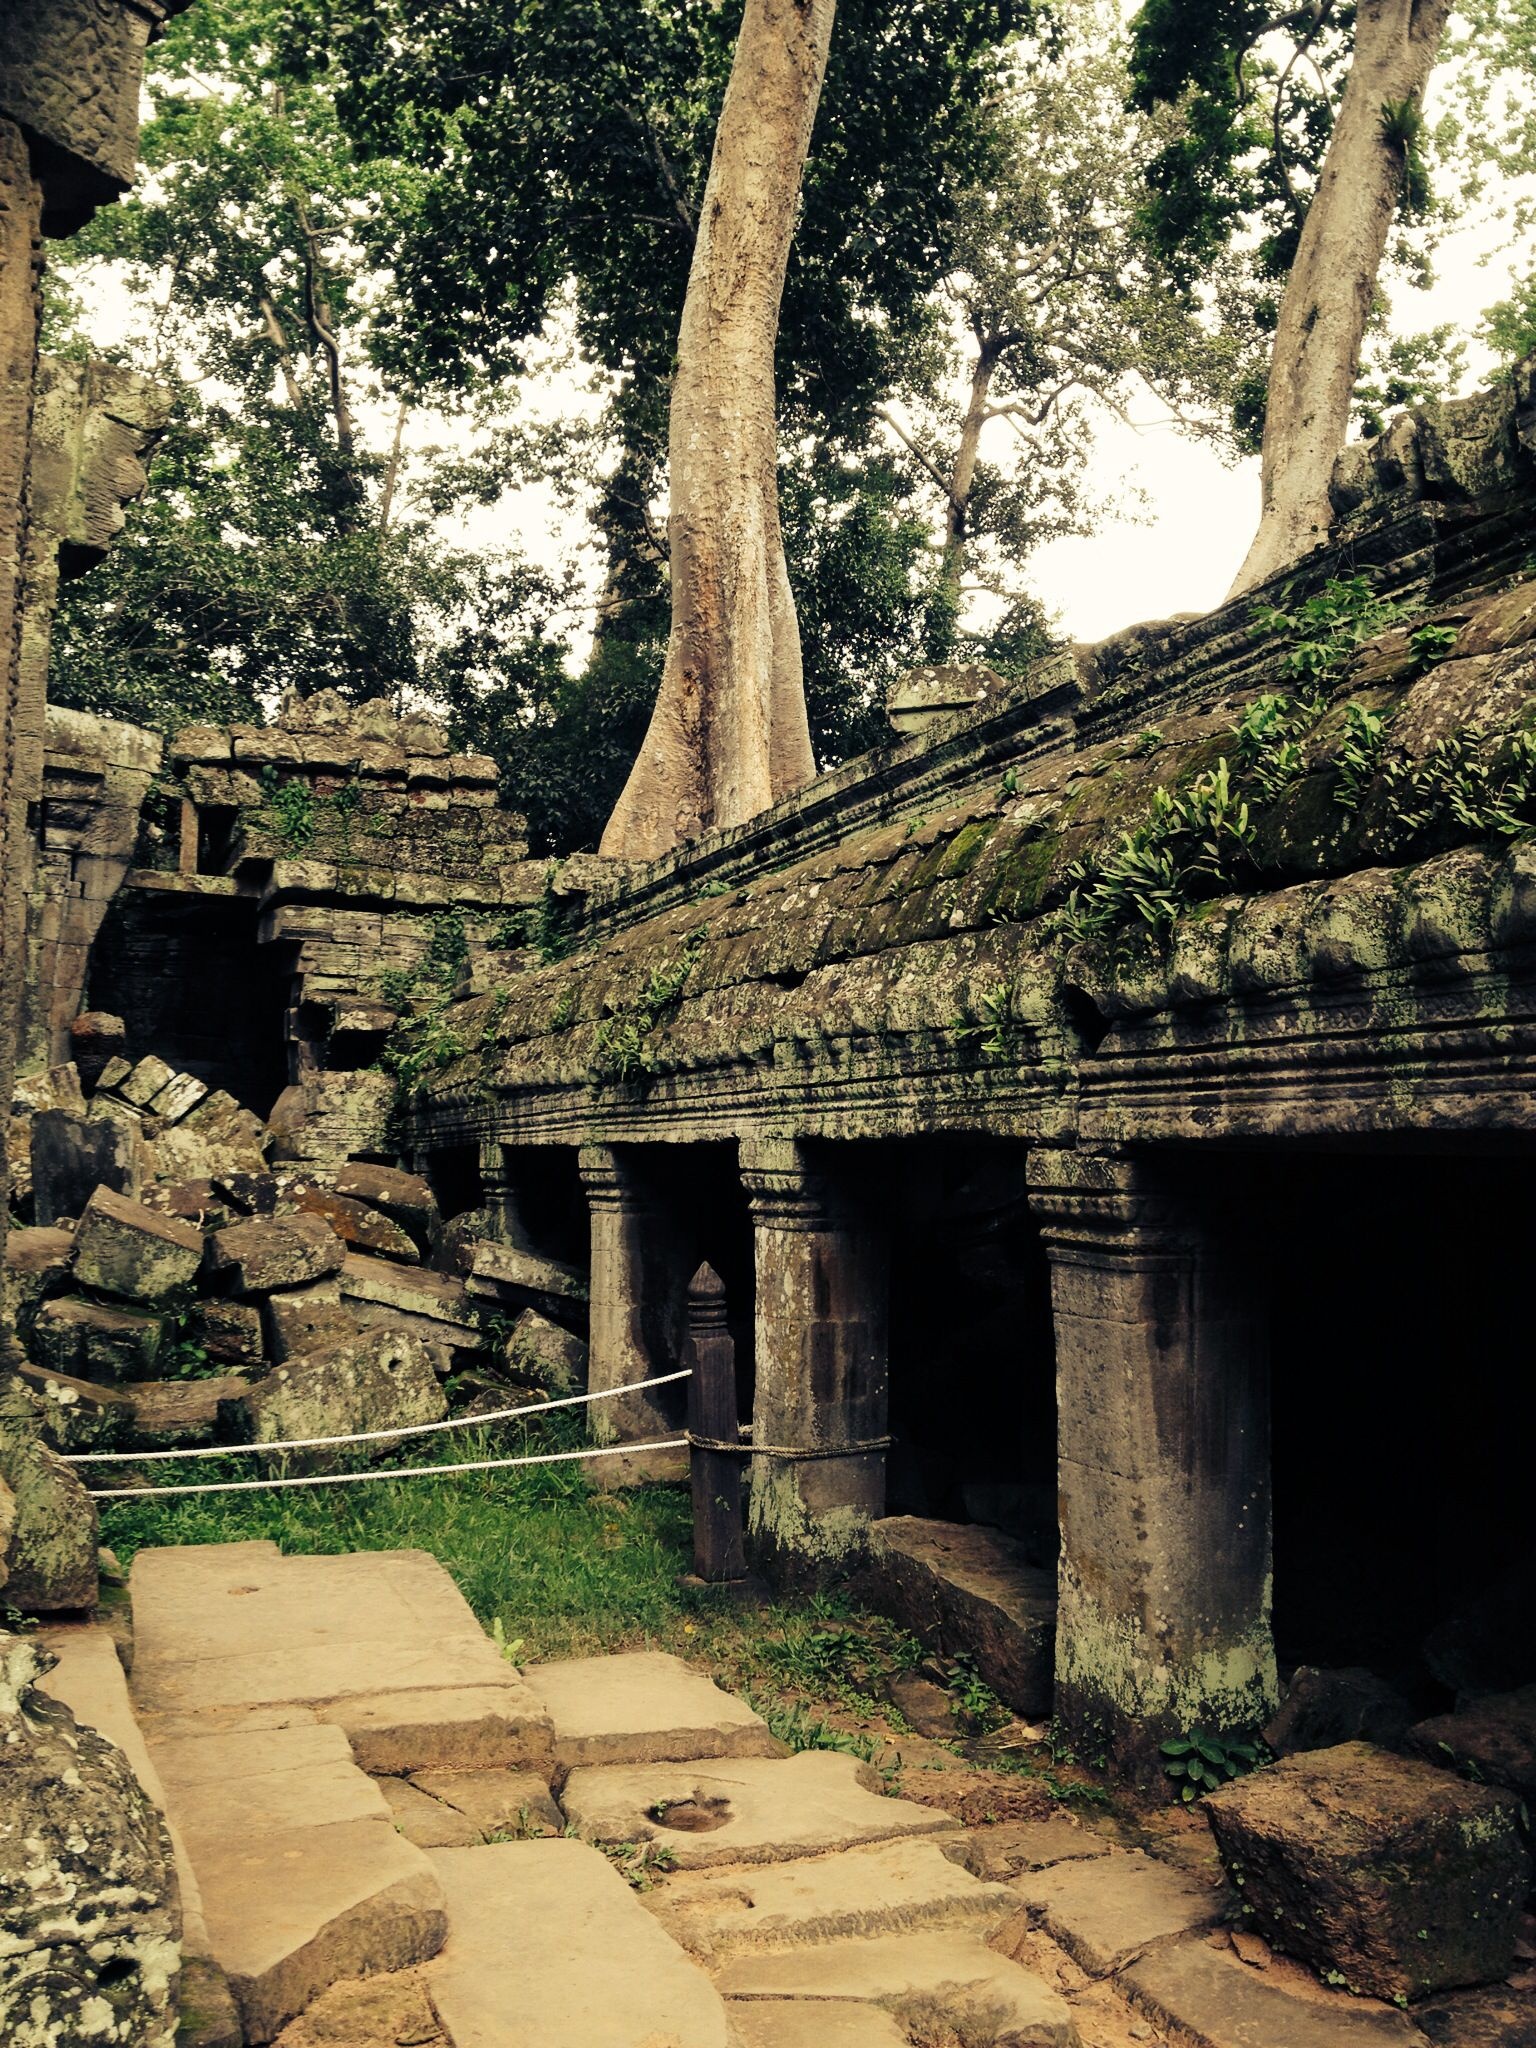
(1163, 1623)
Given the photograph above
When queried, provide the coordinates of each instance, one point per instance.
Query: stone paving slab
(497, 1802)
(1211, 2000)
(1105, 1911)
(551, 1949)
(814, 2023)
(878, 1890)
(292, 1911)
(245, 1783)
(1010, 1847)
(953, 1974)
(426, 1821)
(446, 1728)
(767, 1808)
(644, 1707)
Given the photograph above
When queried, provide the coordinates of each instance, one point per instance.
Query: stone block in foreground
(1403, 1879)
(960, 1586)
(122, 1248)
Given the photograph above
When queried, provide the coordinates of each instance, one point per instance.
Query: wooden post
(719, 1558)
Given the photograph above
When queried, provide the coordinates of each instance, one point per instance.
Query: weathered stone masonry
(871, 983)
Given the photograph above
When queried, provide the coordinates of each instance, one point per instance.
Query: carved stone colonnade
(1162, 1388)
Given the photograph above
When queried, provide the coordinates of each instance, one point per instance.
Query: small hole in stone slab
(696, 1816)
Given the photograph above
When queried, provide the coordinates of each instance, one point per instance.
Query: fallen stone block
(958, 1586)
(194, 1201)
(179, 1095)
(592, 1968)
(643, 1707)
(1324, 1708)
(360, 1228)
(171, 1412)
(436, 1297)
(307, 1319)
(266, 1254)
(252, 1194)
(73, 1153)
(48, 1558)
(146, 1081)
(1103, 1911)
(890, 1888)
(496, 1802)
(51, 1088)
(403, 1197)
(90, 1341)
(546, 1356)
(115, 1071)
(96, 1039)
(1212, 2000)
(229, 1331)
(941, 1977)
(218, 1139)
(79, 1415)
(89, 1917)
(383, 1380)
(1492, 1739)
(122, 1248)
(515, 1279)
(36, 1266)
(741, 1810)
(1403, 1879)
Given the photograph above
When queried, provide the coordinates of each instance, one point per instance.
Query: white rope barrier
(674, 1443)
(374, 1436)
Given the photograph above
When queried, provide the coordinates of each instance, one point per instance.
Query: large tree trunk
(1328, 295)
(729, 733)
(962, 475)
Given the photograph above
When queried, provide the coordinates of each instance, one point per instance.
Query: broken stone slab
(249, 1780)
(515, 1278)
(1493, 1738)
(886, 1889)
(948, 1976)
(1011, 1847)
(360, 1228)
(89, 1916)
(448, 1728)
(290, 1912)
(122, 1248)
(1322, 1708)
(403, 1197)
(643, 1707)
(36, 1266)
(496, 1802)
(218, 1138)
(956, 1585)
(229, 1331)
(1211, 2000)
(554, 1925)
(267, 1254)
(425, 1821)
(1402, 1878)
(48, 1559)
(167, 1413)
(114, 1073)
(741, 1810)
(50, 1088)
(541, 1353)
(814, 2023)
(382, 1380)
(146, 1080)
(72, 1153)
(90, 1341)
(436, 1297)
(194, 1201)
(1104, 1911)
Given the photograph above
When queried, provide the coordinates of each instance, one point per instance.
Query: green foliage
(1509, 328)
(539, 925)
(639, 1863)
(1193, 842)
(424, 1041)
(621, 1048)
(1199, 1762)
(995, 1025)
(1477, 782)
(1267, 739)
(290, 810)
(1359, 755)
(1432, 643)
(1324, 632)
(972, 1701)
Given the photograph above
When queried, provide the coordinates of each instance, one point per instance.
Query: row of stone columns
(1162, 1398)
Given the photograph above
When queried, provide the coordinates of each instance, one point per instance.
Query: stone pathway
(387, 1834)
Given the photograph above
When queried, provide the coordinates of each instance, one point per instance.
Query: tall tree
(1307, 121)
(729, 733)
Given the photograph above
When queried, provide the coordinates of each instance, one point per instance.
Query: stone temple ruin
(1009, 1077)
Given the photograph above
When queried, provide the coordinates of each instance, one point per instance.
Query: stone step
(814, 2023)
(918, 1977)
(380, 1643)
(643, 1708)
(743, 1810)
(1105, 1911)
(549, 1948)
(1211, 2000)
(880, 1890)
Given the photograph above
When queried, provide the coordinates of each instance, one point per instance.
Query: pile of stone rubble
(172, 1285)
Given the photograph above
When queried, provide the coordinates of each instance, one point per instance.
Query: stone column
(1164, 1465)
(502, 1199)
(641, 1265)
(822, 1367)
